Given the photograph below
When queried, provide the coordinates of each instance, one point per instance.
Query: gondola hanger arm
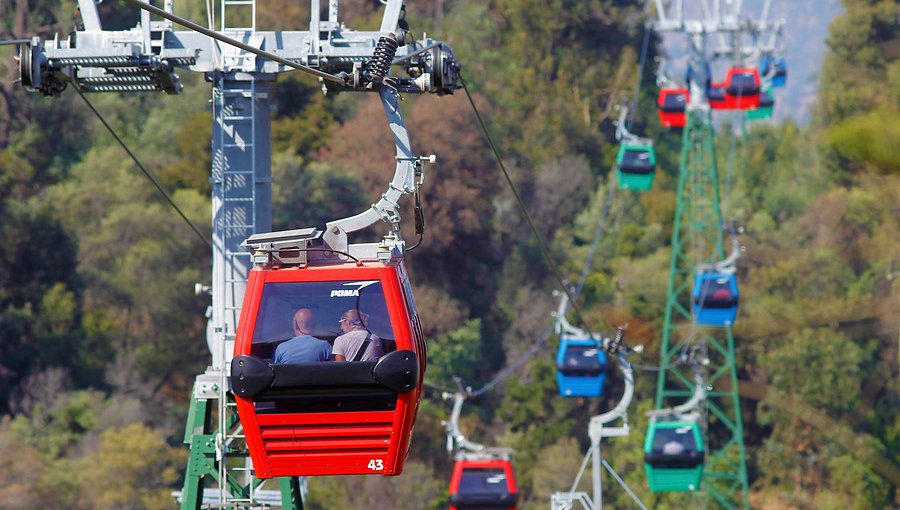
(562, 326)
(690, 408)
(408, 176)
(597, 428)
(456, 441)
(728, 265)
(622, 133)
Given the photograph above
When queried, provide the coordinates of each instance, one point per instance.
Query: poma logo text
(352, 292)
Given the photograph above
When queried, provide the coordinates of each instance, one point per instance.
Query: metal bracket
(282, 247)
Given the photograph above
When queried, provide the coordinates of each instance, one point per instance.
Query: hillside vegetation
(101, 334)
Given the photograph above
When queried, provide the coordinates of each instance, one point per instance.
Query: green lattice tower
(204, 464)
(697, 239)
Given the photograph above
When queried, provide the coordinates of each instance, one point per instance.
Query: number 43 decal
(376, 464)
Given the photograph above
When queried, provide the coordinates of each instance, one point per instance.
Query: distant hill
(804, 40)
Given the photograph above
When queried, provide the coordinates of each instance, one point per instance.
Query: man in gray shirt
(357, 343)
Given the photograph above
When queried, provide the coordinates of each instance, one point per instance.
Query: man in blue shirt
(303, 348)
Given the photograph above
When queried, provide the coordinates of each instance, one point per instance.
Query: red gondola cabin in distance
(483, 484)
(329, 417)
(742, 88)
(672, 105)
(717, 97)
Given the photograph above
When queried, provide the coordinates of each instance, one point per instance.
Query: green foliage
(455, 354)
(536, 419)
(73, 451)
(133, 467)
(872, 138)
(834, 382)
(55, 425)
(192, 168)
(559, 463)
(861, 488)
(305, 117)
(417, 489)
(854, 78)
(21, 467)
(38, 304)
(306, 195)
(96, 274)
(126, 243)
(598, 288)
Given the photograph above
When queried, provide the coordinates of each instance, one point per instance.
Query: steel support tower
(146, 59)
(697, 240)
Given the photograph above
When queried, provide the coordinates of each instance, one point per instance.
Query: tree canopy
(101, 334)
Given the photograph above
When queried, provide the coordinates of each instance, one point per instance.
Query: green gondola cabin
(765, 108)
(674, 456)
(636, 164)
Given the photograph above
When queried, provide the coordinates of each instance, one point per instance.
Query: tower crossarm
(147, 57)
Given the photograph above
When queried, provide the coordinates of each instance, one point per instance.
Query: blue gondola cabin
(309, 415)
(635, 164)
(715, 298)
(776, 69)
(580, 368)
(674, 456)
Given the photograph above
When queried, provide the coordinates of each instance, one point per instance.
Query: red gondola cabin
(483, 484)
(329, 417)
(717, 97)
(742, 87)
(672, 105)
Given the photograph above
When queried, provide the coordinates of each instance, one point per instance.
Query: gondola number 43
(376, 464)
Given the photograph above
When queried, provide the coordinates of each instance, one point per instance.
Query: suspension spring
(383, 56)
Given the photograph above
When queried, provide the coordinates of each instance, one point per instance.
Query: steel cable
(541, 244)
(144, 169)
